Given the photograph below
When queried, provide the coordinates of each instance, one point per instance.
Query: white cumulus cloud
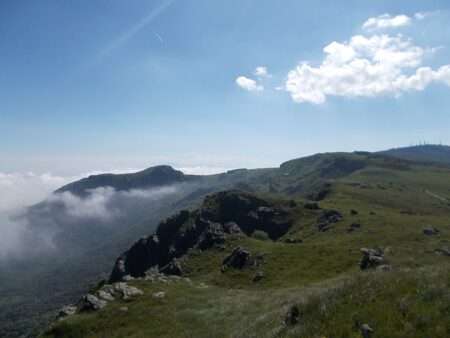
(386, 21)
(261, 71)
(248, 84)
(364, 67)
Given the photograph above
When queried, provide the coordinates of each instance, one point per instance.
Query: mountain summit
(149, 178)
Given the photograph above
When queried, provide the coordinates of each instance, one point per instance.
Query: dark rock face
(372, 258)
(213, 235)
(223, 214)
(248, 211)
(327, 218)
(238, 259)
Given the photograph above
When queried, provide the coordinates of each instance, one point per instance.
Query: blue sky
(110, 85)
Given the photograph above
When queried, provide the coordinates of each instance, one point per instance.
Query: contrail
(127, 35)
(159, 37)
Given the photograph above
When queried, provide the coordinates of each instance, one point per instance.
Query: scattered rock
(91, 303)
(259, 275)
(353, 227)
(238, 259)
(327, 218)
(371, 258)
(66, 311)
(292, 316)
(293, 240)
(331, 216)
(105, 295)
(123, 309)
(430, 231)
(126, 291)
(366, 331)
(159, 295)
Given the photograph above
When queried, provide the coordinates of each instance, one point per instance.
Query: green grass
(413, 304)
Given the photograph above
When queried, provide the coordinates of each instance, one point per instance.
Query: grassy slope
(394, 203)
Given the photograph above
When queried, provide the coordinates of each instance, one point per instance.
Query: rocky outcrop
(97, 300)
(90, 303)
(327, 218)
(229, 213)
(238, 259)
(372, 258)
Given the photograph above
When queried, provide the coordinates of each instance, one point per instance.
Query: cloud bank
(26, 231)
(19, 190)
(367, 66)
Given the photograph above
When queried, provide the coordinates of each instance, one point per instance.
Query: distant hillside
(422, 153)
(148, 178)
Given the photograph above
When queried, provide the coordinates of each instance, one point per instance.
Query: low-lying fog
(31, 231)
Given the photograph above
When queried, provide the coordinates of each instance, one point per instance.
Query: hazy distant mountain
(422, 153)
(149, 178)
